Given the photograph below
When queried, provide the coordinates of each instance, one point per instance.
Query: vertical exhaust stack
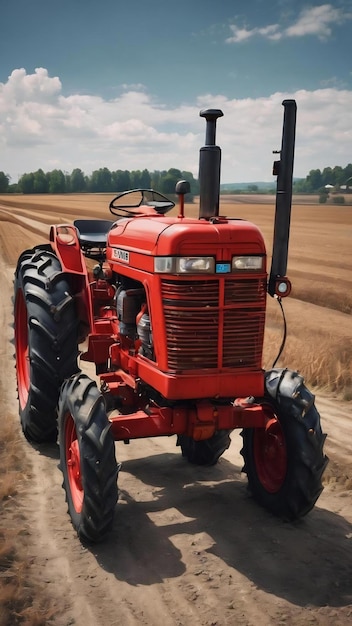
(278, 283)
(209, 167)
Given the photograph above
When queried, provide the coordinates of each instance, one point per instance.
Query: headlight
(240, 263)
(184, 265)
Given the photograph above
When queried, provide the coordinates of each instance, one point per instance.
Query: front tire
(46, 340)
(284, 461)
(87, 458)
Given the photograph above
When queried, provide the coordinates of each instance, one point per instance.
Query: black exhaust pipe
(209, 167)
(284, 171)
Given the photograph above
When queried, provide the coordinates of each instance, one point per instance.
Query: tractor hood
(170, 236)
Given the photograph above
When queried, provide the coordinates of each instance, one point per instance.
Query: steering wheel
(130, 203)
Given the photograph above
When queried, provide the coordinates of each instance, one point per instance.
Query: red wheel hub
(22, 351)
(270, 455)
(73, 463)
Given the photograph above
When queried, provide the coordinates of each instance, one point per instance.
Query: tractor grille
(214, 323)
(250, 290)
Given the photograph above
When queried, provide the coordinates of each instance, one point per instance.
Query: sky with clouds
(120, 84)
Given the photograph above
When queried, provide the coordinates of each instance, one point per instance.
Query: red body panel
(165, 236)
(65, 243)
(207, 329)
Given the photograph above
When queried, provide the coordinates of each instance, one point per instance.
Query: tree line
(100, 181)
(103, 180)
(337, 177)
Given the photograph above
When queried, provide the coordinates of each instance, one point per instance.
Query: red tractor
(171, 310)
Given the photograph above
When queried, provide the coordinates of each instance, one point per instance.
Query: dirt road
(188, 546)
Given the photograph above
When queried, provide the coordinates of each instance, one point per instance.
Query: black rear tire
(285, 462)
(46, 340)
(207, 451)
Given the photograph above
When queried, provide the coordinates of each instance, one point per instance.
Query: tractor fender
(286, 387)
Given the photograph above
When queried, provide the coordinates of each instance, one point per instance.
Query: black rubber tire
(207, 451)
(86, 444)
(302, 438)
(46, 336)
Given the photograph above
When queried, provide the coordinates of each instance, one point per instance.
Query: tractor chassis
(199, 421)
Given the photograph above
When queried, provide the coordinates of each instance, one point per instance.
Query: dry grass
(12, 469)
(326, 366)
(318, 343)
(22, 602)
(336, 297)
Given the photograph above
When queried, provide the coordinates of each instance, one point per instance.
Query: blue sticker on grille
(223, 268)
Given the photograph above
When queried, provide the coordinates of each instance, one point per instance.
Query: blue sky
(90, 84)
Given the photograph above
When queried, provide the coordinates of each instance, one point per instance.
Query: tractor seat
(93, 233)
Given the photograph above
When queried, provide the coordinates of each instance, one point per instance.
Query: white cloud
(42, 128)
(133, 86)
(243, 34)
(239, 34)
(315, 21)
(38, 86)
